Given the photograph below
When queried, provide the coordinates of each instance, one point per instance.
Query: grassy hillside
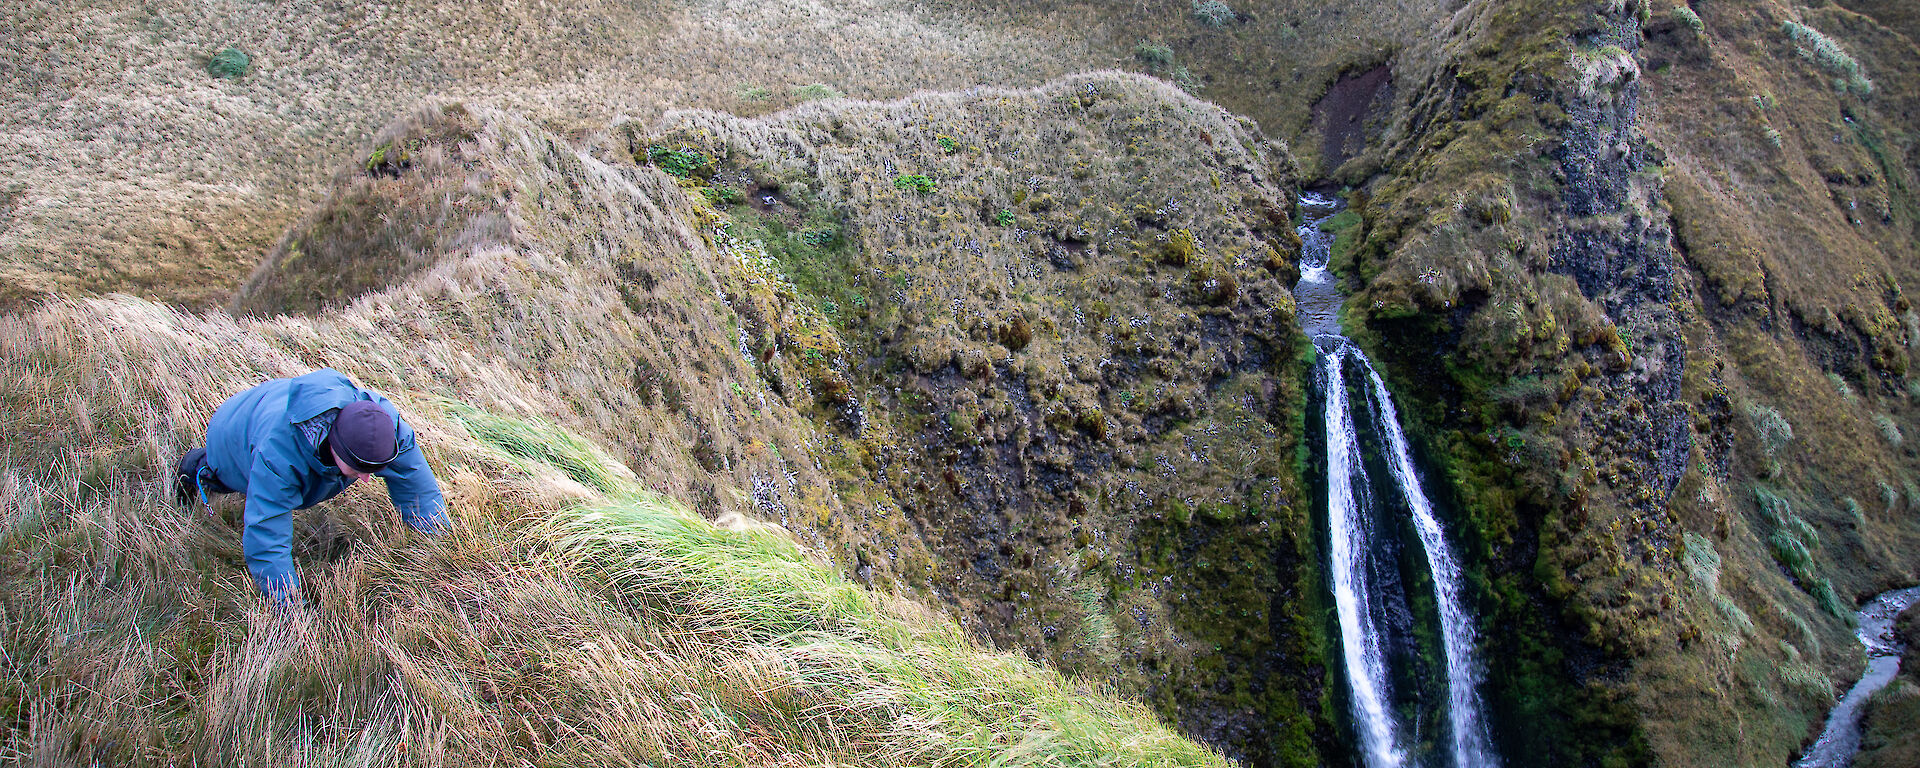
(1053, 332)
(1026, 353)
(576, 615)
(1792, 195)
(130, 166)
(1636, 268)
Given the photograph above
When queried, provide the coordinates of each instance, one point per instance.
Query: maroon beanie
(363, 435)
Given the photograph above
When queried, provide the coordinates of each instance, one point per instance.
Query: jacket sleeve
(268, 537)
(415, 492)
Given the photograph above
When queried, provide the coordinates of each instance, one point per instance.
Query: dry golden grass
(125, 166)
(571, 617)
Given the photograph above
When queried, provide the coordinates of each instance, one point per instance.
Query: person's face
(352, 475)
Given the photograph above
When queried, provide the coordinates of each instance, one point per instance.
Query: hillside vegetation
(575, 615)
(127, 165)
(1020, 350)
(1026, 353)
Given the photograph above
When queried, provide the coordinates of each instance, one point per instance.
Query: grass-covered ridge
(577, 337)
(556, 625)
(1068, 361)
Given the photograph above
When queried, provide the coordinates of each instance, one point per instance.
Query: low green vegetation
(1774, 432)
(1158, 60)
(811, 253)
(1344, 226)
(816, 92)
(681, 162)
(534, 443)
(1792, 542)
(1813, 46)
(916, 183)
(1214, 13)
(1685, 15)
(1156, 57)
(848, 645)
(229, 64)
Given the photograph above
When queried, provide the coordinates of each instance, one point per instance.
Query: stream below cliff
(1386, 620)
(1841, 738)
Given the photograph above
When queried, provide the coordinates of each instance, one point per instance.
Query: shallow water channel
(1841, 738)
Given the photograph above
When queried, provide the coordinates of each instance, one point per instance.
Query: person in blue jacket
(289, 444)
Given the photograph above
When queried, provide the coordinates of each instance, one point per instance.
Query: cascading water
(1352, 530)
(1841, 737)
(1359, 637)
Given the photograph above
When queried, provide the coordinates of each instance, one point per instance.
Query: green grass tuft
(1823, 51)
(816, 92)
(538, 441)
(915, 182)
(1214, 13)
(229, 64)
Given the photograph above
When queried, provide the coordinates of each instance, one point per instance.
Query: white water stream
(1841, 739)
(1363, 653)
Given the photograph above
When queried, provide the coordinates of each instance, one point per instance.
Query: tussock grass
(1793, 542)
(573, 616)
(613, 632)
(1813, 46)
(944, 700)
(538, 443)
(171, 183)
(141, 173)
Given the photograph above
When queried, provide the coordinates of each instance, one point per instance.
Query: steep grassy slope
(1637, 268)
(1040, 340)
(126, 166)
(1088, 451)
(1057, 338)
(572, 617)
(1792, 193)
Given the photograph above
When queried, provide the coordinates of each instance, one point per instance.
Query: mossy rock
(229, 64)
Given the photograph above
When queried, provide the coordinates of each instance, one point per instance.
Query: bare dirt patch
(1341, 117)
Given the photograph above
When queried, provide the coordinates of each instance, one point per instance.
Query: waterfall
(1471, 747)
(1359, 637)
(1352, 534)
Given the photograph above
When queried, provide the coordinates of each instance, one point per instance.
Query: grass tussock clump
(1823, 51)
(934, 695)
(1793, 542)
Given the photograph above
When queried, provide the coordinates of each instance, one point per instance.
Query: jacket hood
(326, 389)
(318, 392)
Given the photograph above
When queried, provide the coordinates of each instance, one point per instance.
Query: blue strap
(200, 485)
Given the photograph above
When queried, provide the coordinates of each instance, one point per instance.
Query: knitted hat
(363, 436)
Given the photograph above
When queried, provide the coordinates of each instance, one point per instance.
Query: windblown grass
(573, 616)
(552, 626)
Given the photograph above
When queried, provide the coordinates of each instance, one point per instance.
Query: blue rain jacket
(254, 447)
